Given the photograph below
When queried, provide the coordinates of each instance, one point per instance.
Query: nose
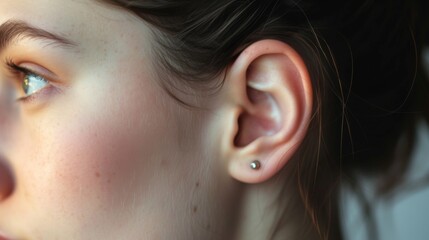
(6, 180)
(6, 176)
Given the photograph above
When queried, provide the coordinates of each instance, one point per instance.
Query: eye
(33, 83)
(30, 82)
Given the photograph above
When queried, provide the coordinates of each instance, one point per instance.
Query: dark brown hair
(361, 56)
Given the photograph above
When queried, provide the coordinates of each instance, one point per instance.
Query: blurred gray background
(405, 216)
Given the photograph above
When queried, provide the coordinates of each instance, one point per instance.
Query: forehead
(58, 15)
(97, 28)
(85, 19)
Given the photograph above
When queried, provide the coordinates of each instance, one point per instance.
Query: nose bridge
(6, 108)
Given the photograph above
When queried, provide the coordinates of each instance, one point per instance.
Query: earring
(255, 165)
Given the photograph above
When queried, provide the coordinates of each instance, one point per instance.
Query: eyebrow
(13, 29)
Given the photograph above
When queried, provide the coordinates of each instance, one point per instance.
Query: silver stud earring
(255, 165)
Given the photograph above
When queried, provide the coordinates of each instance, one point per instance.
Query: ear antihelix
(261, 116)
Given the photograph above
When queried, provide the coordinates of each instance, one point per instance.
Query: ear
(267, 109)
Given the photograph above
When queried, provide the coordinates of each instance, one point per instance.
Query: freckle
(197, 184)
(195, 209)
(97, 174)
(208, 227)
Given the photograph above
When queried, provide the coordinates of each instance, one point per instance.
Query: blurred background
(403, 215)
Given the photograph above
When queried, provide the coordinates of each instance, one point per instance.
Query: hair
(361, 56)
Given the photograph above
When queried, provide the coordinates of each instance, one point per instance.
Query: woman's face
(96, 149)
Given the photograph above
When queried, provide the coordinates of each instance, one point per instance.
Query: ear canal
(263, 117)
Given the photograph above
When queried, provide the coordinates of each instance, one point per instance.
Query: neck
(271, 212)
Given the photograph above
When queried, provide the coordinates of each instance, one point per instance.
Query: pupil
(26, 84)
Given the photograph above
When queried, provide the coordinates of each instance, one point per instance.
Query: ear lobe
(271, 92)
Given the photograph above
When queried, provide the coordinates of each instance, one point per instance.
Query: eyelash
(20, 72)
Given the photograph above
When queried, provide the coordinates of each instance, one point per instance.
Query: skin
(102, 152)
(101, 157)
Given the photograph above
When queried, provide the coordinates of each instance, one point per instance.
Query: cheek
(94, 151)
